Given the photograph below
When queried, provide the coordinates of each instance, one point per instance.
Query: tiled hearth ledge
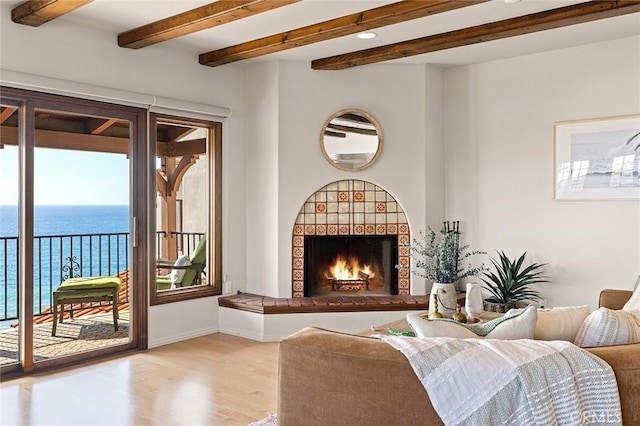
(271, 305)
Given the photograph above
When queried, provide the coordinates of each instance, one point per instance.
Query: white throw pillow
(605, 327)
(634, 302)
(178, 274)
(514, 325)
(561, 323)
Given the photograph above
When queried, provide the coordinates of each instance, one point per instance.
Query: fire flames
(349, 270)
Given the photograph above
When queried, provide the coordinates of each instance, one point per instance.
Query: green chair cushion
(88, 283)
(163, 282)
(198, 256)
(84, 287)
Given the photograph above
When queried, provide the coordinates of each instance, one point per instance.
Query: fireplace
(351, 265)
(369, 222)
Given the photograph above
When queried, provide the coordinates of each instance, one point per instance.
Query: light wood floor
(211, 380)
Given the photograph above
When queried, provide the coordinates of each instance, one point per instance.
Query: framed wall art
(597, 159)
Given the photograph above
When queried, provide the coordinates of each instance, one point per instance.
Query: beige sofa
(328, 378)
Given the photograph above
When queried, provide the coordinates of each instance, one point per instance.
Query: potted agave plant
(438, 258)
(511, 282)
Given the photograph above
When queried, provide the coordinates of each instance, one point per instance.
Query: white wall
(62, 50)
(263, 160)
(499, 176)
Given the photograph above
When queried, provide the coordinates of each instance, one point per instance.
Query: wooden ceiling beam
(37, 12)
(351, 24)
(6, 113)
(350, 129)
(198, 19)
(527, 24)
(66, 140)
(193, 147)
(97, 126)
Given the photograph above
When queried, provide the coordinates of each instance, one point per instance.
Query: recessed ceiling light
(367, 36)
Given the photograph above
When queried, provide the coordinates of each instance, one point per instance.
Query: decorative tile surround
(350, 207)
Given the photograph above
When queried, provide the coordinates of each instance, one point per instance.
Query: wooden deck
(271, 305)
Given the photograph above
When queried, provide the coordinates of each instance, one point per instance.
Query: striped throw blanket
(512, 382)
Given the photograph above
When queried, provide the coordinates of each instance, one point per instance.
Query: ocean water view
(97, 236)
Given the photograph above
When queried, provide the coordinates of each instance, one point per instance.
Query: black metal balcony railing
(97, 254)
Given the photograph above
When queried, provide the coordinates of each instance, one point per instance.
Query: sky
(64, 177)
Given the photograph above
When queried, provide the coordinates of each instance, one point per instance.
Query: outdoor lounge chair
(78, 289)
(186, 271)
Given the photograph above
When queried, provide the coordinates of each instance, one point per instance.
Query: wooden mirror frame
(328, 128)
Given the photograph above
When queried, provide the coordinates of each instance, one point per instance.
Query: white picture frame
(597, 159)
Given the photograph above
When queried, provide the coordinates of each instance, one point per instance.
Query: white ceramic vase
(473, 301)
(447, 299)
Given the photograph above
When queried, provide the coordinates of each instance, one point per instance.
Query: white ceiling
(116, 16)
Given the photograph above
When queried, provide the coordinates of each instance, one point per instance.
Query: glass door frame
(27, 103)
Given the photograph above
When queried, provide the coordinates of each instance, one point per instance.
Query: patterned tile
(358, 229)
(298, 275)
(343, 196)
(392, 228)
(403, 229)
(298, 252)
(298, 263)
(381, 207)
(298, 285)
(298, 241)
(298, 230)
(298, 294)
(321, 229)
(381, 229)
(332, 196)
(332, 229)
(358, 196)
(310, 229)
(369, 229)
(332, 218)
(321, 207)
(344, 230)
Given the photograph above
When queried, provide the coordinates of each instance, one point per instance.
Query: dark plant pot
(497, 306)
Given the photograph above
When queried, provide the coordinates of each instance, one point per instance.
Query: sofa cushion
(634, 301)
(605, 327)
(516, 324)
(560, 323)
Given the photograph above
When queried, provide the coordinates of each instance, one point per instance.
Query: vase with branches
(438, 257)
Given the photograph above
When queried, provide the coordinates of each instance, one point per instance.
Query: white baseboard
(181, 337)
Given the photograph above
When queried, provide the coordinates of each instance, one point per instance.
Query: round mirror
(351, 140)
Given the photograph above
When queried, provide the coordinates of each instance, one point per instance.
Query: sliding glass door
(80, 194)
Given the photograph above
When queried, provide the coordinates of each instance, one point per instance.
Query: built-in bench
(282, 305)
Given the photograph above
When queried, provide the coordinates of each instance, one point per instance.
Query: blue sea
(96, 236)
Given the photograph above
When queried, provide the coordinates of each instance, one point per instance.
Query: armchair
(185, 272)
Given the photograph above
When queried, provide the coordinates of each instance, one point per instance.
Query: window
(187, 208)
